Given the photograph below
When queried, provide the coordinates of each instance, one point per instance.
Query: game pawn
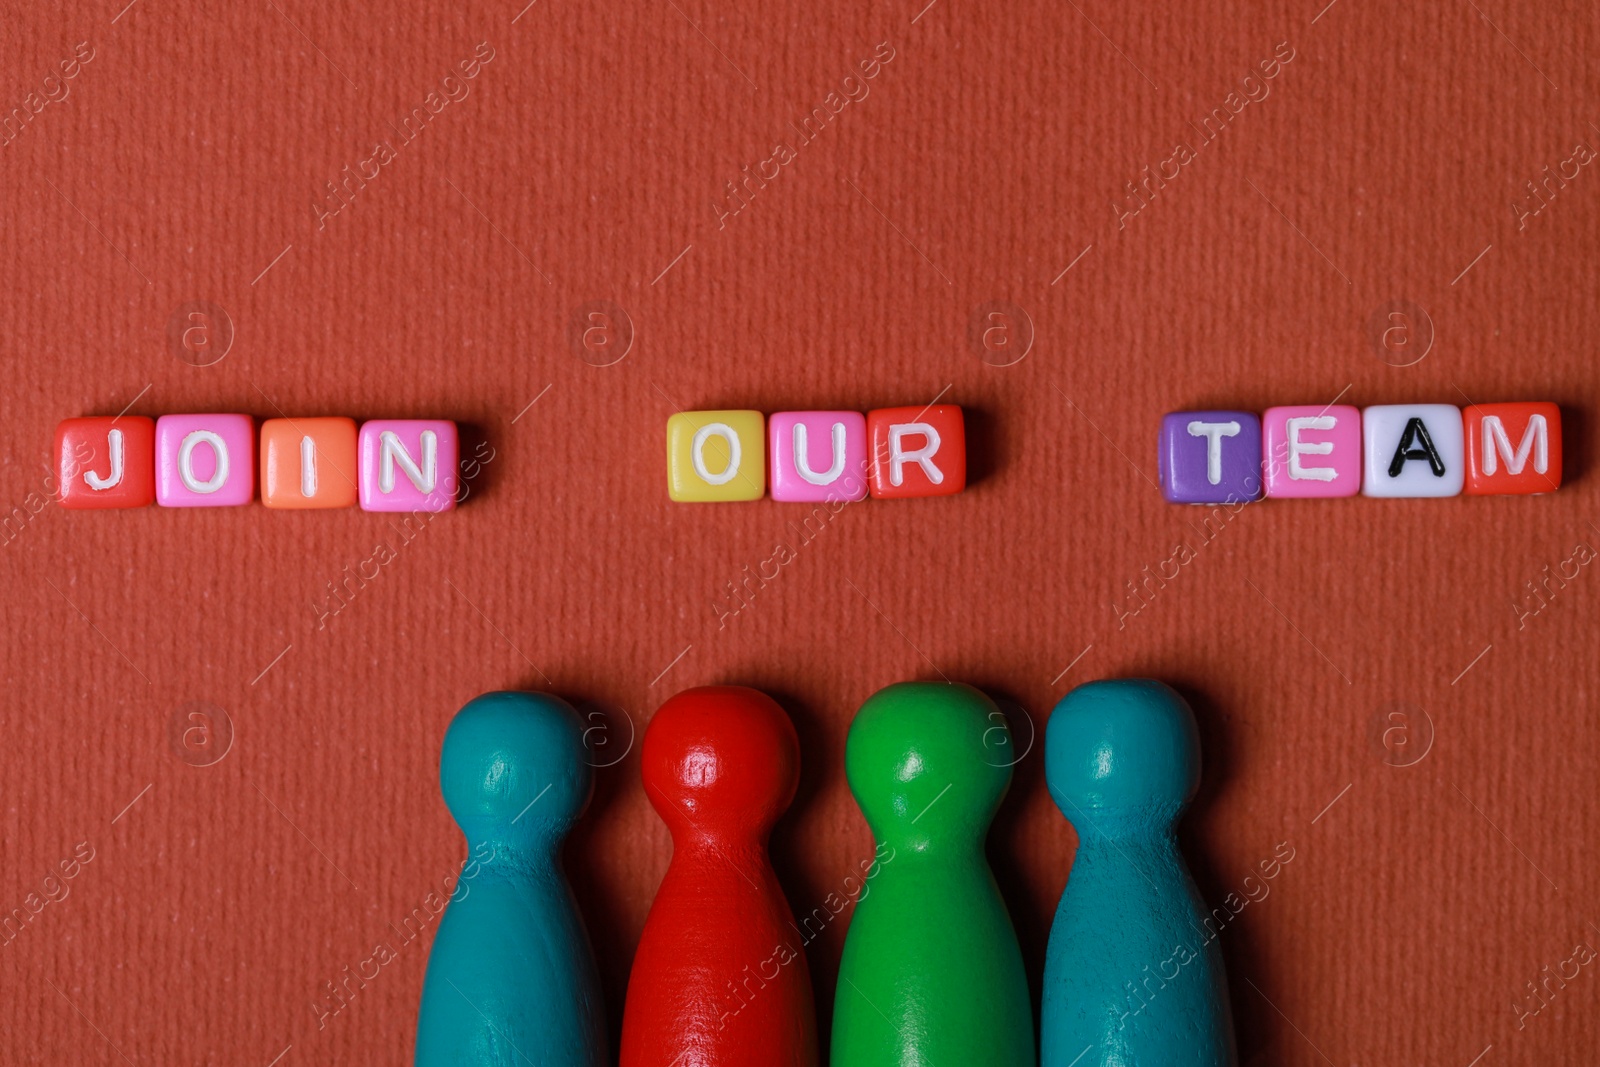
(932, 973)
(511, 978)
(720, 977)
(1132, 978)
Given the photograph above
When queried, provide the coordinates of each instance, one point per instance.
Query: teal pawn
(1132, 977)
(511, 977)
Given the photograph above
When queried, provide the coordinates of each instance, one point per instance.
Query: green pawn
(931, 973)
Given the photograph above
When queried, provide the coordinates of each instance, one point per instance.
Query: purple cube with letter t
(1210, 457)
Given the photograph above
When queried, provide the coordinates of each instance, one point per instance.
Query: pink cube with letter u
(817, 455)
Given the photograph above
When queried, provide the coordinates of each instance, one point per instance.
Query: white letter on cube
(1213, 432)
(391, 452)
(697, 453)
(922, 457)
(1298, 448)
(219, 448)
(1536, 438)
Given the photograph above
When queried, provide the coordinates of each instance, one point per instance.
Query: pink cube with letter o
(205, 461)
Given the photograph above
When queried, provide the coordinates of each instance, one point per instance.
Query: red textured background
(583, 166)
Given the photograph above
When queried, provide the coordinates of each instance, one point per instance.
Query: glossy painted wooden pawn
(511, 977)
(1132, 976)
(932, 974)
(720, 977)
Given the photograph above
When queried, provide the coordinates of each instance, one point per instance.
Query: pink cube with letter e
(408, 465)
(1311, 450)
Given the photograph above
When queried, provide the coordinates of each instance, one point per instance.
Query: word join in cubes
(1389, 450)
(816, 456)
(211, 461)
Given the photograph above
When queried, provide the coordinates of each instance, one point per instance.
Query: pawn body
(511, 978)
(720, 976)
(932, 974)
(1132, 977)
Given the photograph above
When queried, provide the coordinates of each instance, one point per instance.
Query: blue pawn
(511, 977)
(1132, 978)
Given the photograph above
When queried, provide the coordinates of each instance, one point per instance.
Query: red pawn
(720, 978)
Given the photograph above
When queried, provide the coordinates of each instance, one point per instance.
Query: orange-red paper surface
(559, 223)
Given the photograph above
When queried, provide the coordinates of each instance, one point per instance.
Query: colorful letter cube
(106, 462)
(917, 451)
(716, 456)
(1312, 451)
(408, 464)
(205, 461)
(1210, 457)
(1412, 450)
(1512, 448)
(818, 455)
(308, 463)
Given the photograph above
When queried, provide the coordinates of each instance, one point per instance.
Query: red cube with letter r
(917, 451)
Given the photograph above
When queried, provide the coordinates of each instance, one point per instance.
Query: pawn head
(514, 766)
(920, 760)
(1122, 748)
(721, 759)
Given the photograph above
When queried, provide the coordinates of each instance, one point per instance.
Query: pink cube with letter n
(408, 465)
